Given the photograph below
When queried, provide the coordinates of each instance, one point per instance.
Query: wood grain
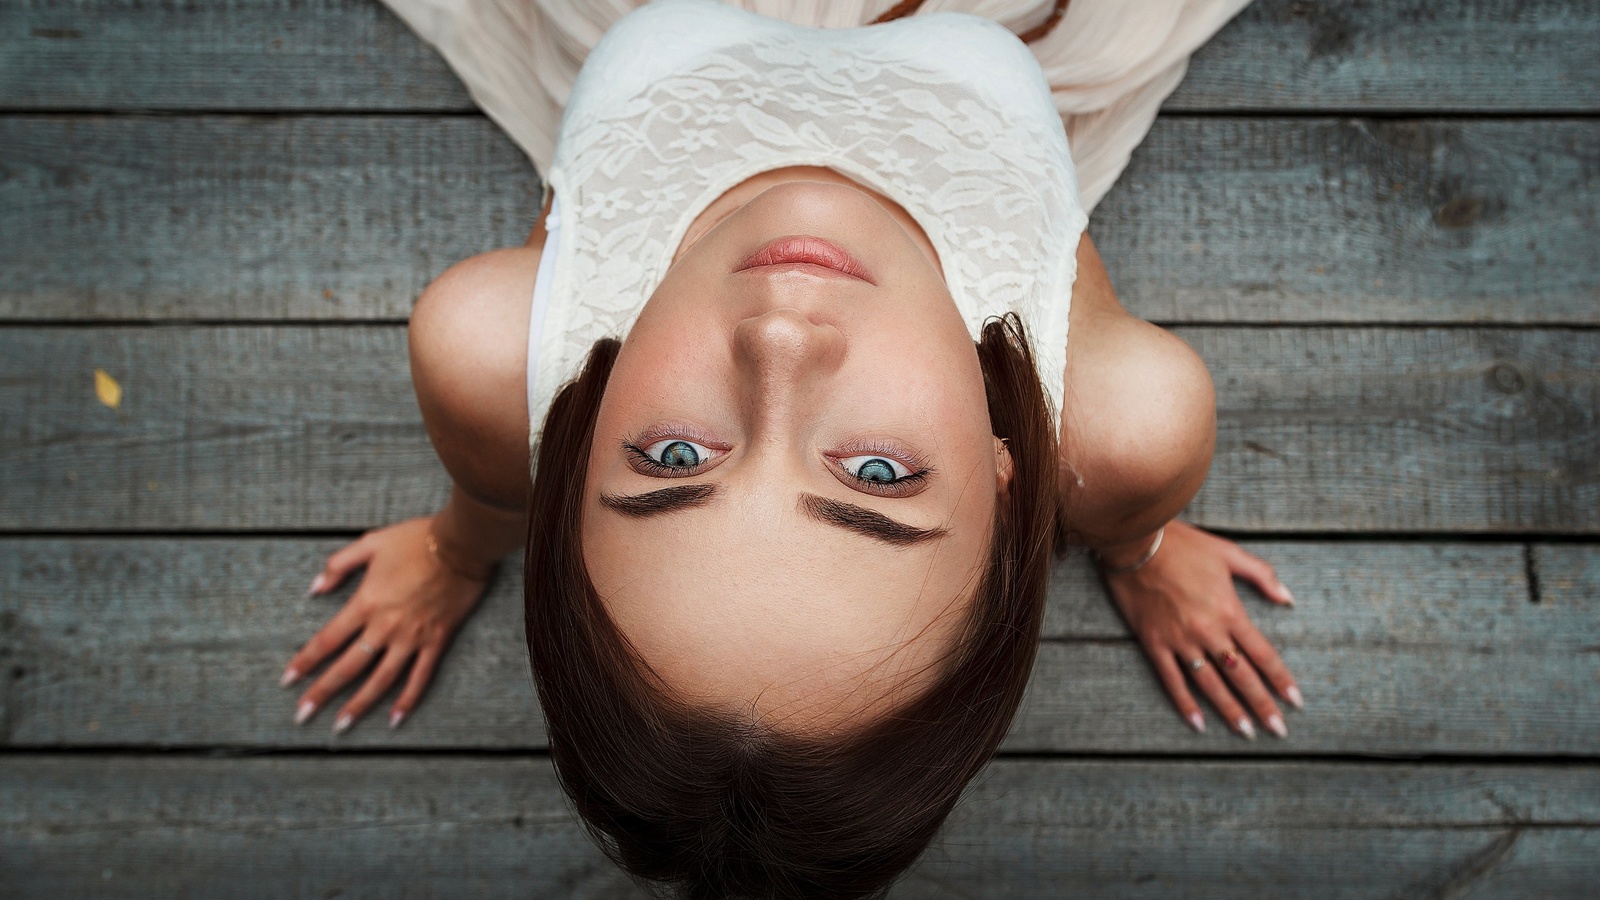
(1463, 55)
(308, 427)
(1216, 220)
(151, 642)
(117, 826)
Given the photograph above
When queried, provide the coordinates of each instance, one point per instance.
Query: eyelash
(899, 488)
(649, 466)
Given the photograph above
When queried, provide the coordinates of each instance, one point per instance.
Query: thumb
(340, 565)
(1260, 573)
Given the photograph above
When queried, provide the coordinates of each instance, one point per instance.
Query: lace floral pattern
(947, 114)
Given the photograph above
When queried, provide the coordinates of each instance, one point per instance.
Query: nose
(784, 356)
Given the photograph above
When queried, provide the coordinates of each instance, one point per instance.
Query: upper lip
(806, 250)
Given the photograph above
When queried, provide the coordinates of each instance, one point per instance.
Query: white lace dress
(946, 113)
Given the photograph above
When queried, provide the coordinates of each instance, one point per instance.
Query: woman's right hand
(409, 604)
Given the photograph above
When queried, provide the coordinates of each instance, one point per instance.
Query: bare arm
(424, 576)
(1139, 426)
(1137, 438)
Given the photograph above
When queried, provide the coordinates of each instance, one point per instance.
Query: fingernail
(1247, 730)
(1293, 693)
(290, 676)
(395, 718)
(304, 712)
(317, 584)
(1197, 722)
(1276, 726)
(343, 722)
(1288, 596)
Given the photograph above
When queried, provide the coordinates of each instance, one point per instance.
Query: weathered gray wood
(1403, 430)
(1217, 219)
(1467, 55)
(1472, 56)
(249, 217)
(1336, 429)
(221, 54)
(447, 826)
(1567, 576)
(1401, 649)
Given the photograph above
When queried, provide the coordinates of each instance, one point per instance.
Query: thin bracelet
(1123, 570)
(433, 547)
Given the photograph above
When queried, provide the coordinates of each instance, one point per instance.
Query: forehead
(746, 601)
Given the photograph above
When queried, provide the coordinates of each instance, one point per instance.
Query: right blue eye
(875, 469)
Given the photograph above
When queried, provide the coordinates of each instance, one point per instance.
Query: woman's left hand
(1183, 607)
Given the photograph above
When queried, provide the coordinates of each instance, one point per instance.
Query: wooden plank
(1403, 430)
(249, 217)
(1465, 55)
(219, 55)
(165, 642)
(427, 826)
(306, 427)
(1217, 219)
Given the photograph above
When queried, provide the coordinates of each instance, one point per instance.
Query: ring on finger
(1198, 663)
(366, 648)
(1228, 658)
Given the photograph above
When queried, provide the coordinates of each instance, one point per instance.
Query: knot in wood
(1507, 378)
(1459, 212)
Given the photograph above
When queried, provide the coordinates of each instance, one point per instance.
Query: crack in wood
(1477, 867)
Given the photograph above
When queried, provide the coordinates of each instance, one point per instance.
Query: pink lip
(804, 251)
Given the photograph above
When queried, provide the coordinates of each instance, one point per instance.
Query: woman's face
(792, 486)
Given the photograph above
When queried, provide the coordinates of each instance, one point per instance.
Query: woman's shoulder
(1140, 403)
(469, 361)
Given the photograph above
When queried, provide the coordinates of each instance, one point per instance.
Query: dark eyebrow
(656, 503)
(864, 521)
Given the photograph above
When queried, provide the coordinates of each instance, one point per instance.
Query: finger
(1216, 690)
(389, 668)
(1267, 661)
(421, 674)
(351, 663)
(1258, 572)
(331, 637)
(346, 560)
(1177, 686)
(1236, 666)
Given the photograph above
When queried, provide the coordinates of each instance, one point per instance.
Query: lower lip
(806, 253)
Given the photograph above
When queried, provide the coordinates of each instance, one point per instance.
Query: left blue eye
(677, 454)
(876, 469)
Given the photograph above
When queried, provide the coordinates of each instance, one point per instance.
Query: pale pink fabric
(1110, 63)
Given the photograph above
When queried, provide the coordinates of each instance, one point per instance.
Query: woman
(795, 322)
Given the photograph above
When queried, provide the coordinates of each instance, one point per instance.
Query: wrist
(1130, 555)
(462, 564)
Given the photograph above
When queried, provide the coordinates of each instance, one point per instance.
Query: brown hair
(716, 806)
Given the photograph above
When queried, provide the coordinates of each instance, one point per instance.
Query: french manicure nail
(342, 723)
(317, 584)
(1293, 693)
(1197, 722)
(1247, 730)
(1276, 726)
(1288, 597)
(395, 718)
(290, 676)
(304, 712)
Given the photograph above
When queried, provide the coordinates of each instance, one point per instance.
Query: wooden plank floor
(1375, 220)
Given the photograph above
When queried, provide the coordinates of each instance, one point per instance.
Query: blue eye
(875, 469)
(674, 455)
(680, 455)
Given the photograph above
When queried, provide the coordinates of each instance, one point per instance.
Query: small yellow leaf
(107, 389)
